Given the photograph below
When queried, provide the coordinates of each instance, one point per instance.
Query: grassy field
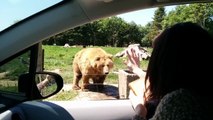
(58, 57)
(10, 72)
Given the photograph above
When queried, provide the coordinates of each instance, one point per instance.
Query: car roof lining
(39, 27)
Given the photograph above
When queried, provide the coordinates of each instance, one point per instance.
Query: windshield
(13, 11)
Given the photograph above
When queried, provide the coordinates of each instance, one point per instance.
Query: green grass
(11, 87)
(10, 72)
(14, 68)
(58, 57)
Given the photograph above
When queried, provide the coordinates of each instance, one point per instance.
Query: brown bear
(91, 63)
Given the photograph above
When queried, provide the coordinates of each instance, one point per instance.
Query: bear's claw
(75, 87)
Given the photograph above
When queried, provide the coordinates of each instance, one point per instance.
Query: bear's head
(103, 64)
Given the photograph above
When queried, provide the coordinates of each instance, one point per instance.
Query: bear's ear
(110, 56)
(97, 58)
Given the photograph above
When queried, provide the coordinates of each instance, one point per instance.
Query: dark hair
(180, 59)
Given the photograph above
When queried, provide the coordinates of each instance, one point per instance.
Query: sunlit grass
(58, 57)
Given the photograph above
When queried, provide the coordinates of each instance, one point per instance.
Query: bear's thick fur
(91, 63)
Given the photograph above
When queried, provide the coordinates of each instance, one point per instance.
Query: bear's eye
(97, 58)
(102, 65)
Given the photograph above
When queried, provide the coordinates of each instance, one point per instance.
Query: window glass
(13, 11)
(10, 72)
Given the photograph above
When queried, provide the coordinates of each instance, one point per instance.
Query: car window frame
(33, 50)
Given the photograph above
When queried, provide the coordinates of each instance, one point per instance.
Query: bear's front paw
(85, 87)
(75, 87)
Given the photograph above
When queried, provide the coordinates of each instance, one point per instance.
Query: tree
(196, 13)
(146, 39)
(158, 18)
(155, 27)
(112, 27)
(113, 31)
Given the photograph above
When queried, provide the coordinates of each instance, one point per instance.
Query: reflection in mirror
(208, 24)
(208, 21)
(46, 84)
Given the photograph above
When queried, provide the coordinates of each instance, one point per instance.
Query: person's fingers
(133, 52)
(135, 56)
(129, 56)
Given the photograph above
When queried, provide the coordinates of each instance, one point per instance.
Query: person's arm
(138, 71)
(140, 109)
(138, 106)
(137, 88)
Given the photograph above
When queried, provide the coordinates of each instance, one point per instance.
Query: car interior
(21, 43)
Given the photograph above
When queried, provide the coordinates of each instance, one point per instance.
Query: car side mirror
(40, 85)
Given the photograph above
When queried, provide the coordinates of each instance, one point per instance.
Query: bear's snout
(106, 73)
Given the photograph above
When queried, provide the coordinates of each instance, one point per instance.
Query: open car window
(112, 34)
(29, 87)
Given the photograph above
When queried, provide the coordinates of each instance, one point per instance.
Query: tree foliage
(155, 27)
(196, 13)
(113, 31)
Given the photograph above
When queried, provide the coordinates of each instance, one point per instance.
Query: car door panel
(70, 110)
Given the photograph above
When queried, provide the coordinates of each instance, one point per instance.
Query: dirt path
(108, 92)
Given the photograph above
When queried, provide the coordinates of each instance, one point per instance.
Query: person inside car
(178, 75)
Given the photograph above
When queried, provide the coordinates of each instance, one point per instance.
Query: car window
(10, 72)
(63, 53)
(112, 34)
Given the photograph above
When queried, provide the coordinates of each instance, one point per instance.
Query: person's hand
(133, 62)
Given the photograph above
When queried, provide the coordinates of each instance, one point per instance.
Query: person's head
(180, 59)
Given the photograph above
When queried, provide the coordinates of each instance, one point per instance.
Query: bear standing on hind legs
(91, 63)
